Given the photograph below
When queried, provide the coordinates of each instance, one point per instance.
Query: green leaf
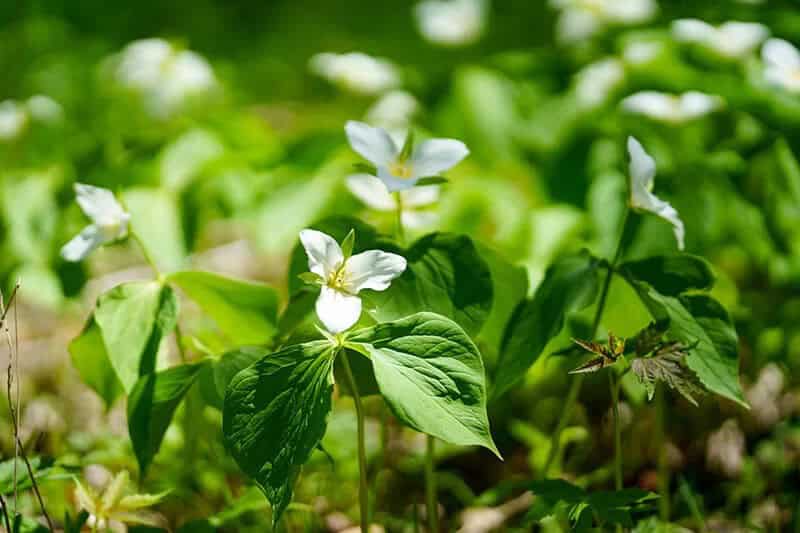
(445, 275)
(89, 357)
(347, 244)
(133, 319)
(510, 287)
(245, 311)
(408, 146)
(671, 275)
(275, 415)
(151, 404)
(221, 372)
(366, 168)
(431, 180)
(44, 469)
(700, 321)
(570, 284)
(156, 219)
(431, 375)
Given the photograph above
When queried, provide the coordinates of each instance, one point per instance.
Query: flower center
(401, 169)
(110, 227)
(338, 279)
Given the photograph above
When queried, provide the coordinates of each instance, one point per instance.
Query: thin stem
(663, 467)
(401, 234)
(6, 520)
(35, 485)
(363, 489)
(577, 383)
(430, 487)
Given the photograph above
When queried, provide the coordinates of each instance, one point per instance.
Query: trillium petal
(434, 156)
(98, 203)
(371, 191)
(739, 38)
(780, 53)
(324, 253)
(82, 244)
(642, 171)
(696, 104)
(642, 175)
(650, 103)
(337, 310)
(373, 144)
(373, 269)
(693, 30)
(421, 196)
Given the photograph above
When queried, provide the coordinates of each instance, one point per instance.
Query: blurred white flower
(393, 111)
(165, 76)
(451, 22)
(44, 108)
(642, 173)
(764, 396)
(732, 39)
(13, 119)
(781, 64)
(356, 72)
(399, 171)
(640, 52)
(341, 278)
(671, 108)
(109, 222)
(726, 448)
(373, 193)
(581, 19)
(595, 82)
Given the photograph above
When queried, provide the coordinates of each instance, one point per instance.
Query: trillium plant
(398, 324)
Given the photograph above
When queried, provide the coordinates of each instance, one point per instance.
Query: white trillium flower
(393, 111)
(451, 22)
(642, 170)
(356, 72)
(671, 108)
(45, 109)
(732, 39)
(342, 278)
(109, 222)
(372, 192)
(781, 64)
(164, 75)
(595, 82)
(581, 19)
(13, 119)
(641, 52)
(428, 158)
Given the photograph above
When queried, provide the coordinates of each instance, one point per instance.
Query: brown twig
(34, 485)
(6, 519)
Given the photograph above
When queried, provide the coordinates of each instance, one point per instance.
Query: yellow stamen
(401, 170)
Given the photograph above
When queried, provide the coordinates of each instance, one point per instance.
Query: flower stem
(663, 467)
(401, 234)
(363, 489)
(430, 486)
(577, 383)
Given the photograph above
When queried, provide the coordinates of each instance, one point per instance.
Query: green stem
(430, 487)
(363, 489)
(577, 383)
(663, 467)
(401, 234)
(612, 383)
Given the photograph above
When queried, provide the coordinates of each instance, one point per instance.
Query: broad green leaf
(89, 357)
(510, 287)
(570, 284)
(30, 215)
(151, 404)
(44, 469)
(431, 375)
(133, 319)
(216, 376)
(700, 319)
(671, 274)
(184, 158)
(445, 275)
(245, 311)
(156, 219)
(275, 415)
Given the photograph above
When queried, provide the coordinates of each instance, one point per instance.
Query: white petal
(394, 183)
(82, 244)
(652, 104)
(696, 104)
(781, 54)
(98, 203)
(736, 39)
(337, 310)
(667, 212)
(630, 11)
(324, 253)
(693, 30)
(373, 269)
(451, 22)
(419, 219)
(576, 25)
(373, 144)
(371, 191)
(421, 196)
(642, 171)
(434, 156)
